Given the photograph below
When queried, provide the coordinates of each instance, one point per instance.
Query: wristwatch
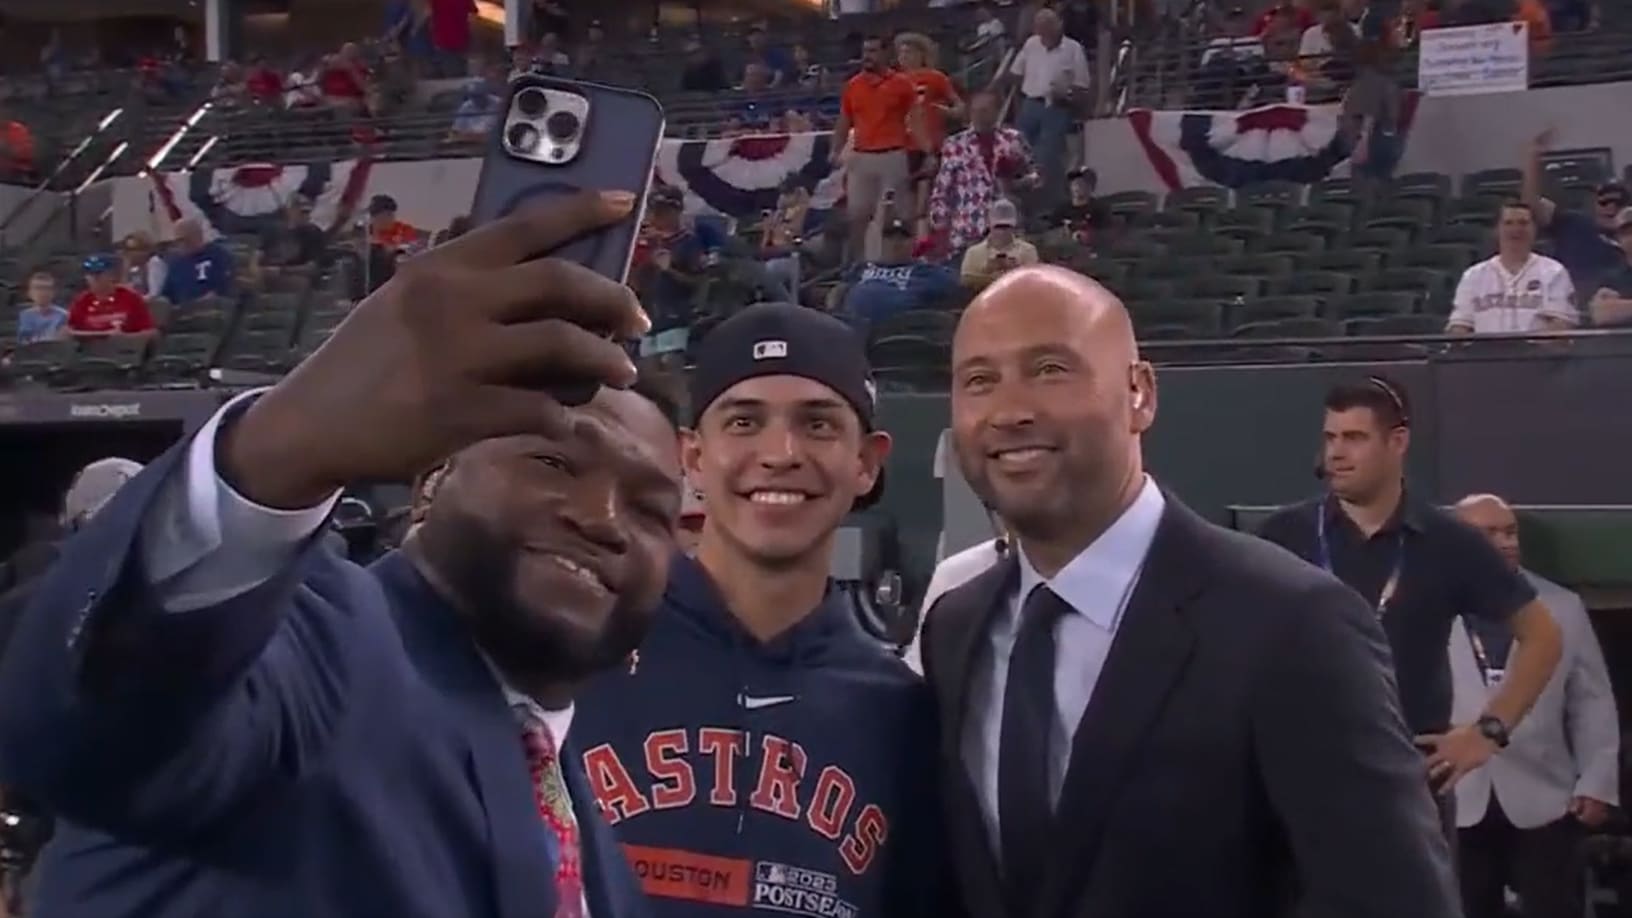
(1491, 727)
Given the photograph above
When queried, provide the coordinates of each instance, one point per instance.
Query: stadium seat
(1344, 261)
(1426, 283)
(1416, 324)
(1314, 283)
(1385, 303)
(911, 359)
(1146, 288)
(1479, 238)
(1273, 196)
(1256, 265)
(179, 357)
(1201, 200)
(199, 317)
(1290, 244)
(1298, 327)
(1160, 332)
(1435, 186)
(1137, 247)
(1174, 222)
(111, 361)
(1132, 206)
(1205, 318)
(1107, 272)
(1449, 259)
(1389, 236)
(922, 323)
(1254, 221)
(1333, 191)
(43, 362)
(1473, 211)
(1272, 308)
(1499, 183)
(1223, 288)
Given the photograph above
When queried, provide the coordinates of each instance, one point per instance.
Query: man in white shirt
(1516, 290)
(229, 718)
(1052, 70)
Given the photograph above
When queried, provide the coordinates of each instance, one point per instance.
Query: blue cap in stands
(100, 264)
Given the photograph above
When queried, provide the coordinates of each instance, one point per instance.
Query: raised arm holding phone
(231, 720)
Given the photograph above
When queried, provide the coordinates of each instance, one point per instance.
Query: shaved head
(1049, 399)
(1495, 520)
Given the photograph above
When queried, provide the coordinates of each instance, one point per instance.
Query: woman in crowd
(938, 100)
(785, 231)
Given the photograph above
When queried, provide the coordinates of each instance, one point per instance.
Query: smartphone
(557, 137)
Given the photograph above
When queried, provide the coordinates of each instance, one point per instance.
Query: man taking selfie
(229, 719)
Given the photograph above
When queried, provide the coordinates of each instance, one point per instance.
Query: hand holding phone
(463, 331)
(557, 138)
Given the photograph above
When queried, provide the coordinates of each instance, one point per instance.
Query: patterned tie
(550, 793)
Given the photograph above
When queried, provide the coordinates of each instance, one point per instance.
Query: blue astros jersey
(791, 777)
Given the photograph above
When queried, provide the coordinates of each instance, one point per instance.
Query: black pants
(1539, 864)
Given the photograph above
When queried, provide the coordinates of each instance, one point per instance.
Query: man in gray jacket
(1522, 815)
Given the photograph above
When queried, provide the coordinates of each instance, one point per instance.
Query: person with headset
(1420, 568)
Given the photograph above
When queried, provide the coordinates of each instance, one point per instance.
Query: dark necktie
(1024, 812)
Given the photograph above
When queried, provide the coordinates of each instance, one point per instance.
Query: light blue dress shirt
(1096, 584)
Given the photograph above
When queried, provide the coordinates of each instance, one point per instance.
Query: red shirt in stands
(450, 24)
(340, 82)
(264, 84)
(122, 310)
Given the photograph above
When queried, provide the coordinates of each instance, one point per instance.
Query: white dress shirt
(1041, 68)
(202, 543)
(950, 574)
(1096, 584)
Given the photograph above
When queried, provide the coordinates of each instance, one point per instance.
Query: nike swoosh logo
(755, 702)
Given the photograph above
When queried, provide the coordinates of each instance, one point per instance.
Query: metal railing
(41, 191)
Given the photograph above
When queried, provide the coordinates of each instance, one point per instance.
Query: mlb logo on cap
(770, 350)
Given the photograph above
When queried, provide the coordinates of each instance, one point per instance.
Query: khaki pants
(867, 177)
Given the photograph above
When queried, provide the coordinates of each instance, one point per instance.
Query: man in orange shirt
(874, 112)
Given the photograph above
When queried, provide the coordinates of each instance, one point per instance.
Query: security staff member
(1420, 567)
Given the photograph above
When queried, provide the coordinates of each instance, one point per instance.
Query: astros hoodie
(791, 777)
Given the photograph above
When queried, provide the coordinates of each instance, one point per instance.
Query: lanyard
(1486, 671)
(1323, 557)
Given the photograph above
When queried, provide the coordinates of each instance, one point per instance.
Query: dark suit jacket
(1243, 749)
(329, 744)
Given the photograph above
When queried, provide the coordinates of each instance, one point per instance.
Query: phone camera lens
(532, 102)
(562, 126)
(523, 138)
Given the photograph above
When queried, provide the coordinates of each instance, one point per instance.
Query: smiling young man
(761, 752)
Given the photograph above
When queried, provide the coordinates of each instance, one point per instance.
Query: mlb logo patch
(770, 350)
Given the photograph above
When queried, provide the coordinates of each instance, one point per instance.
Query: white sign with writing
(1471, 60)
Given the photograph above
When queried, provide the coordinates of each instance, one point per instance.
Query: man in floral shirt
(979, 165)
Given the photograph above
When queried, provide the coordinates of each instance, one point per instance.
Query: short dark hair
(1515, 204)
(1385, 397)
(653, 389)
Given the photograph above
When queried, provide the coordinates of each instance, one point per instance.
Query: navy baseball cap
(784, 339)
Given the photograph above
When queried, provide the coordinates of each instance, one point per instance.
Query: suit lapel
(522, 850)
(1153, 644)
(961, 631)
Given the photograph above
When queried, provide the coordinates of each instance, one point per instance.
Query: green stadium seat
(1450, 259)
(1276, 196)
(1297, 327)
(1480, 239)
(1413, 324)
(1333, 191)
(1205, 316)
(1136, 246)
(1244, 223)
(1142, 289)
(1175, 221)
(202, 316)
(1133, 206)
(1255, 265)
(1373, 304)
(178, 356)
(258, 352)
(109, 362)
(933, 324)
(1380, 238)
(1345, 261)
(1273, 308)
(43, 362)
(1168, 333)
(1492, 183)
(1289, 243)
(1202, 199)
(1221, 287)
(900, 352)
(1435, 186)
(1205, 244)
(1474, 211)
(1315, 283)
(1107, 272)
